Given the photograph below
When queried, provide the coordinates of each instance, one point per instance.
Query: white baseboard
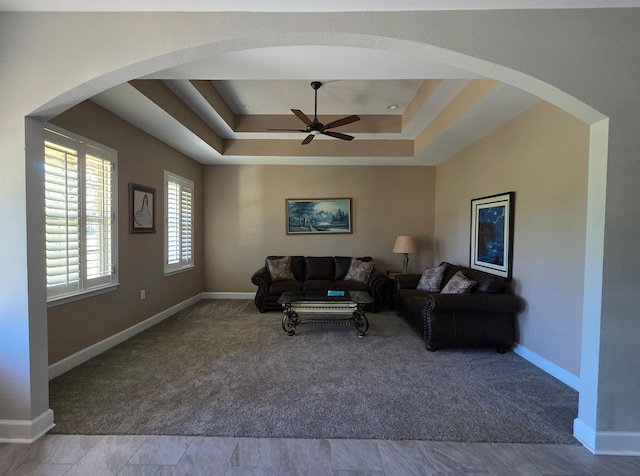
(614, 443)
(215, 295)
(558, 372)
(26, 431)
(76, 359)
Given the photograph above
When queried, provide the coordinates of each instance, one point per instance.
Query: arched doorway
(417, 52)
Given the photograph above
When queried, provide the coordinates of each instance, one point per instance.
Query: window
(179, 220)
(80, 215)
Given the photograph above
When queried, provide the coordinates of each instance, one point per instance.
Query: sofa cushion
(280, 268)
(487, 283)
(431, 279)
(280, 287)
(342, 264)
(319, 267)
(352, 286)
(458, 284)
(318, 284)
(409, 293)
(297, 266)
(492, 284)
(359, 270)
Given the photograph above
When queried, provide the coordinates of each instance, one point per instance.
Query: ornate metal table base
(292, 319)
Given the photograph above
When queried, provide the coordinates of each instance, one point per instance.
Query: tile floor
(181, 456)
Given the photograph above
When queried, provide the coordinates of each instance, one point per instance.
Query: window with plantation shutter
(80, 215)
(179, 223)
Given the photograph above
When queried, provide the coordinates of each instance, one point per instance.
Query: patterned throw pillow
(431, 280)
(359, 270)
(458, 284)
(280, 268)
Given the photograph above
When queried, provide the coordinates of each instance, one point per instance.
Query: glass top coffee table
(302, 307)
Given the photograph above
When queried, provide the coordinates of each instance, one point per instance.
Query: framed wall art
(492, 234)
(307, 216)
(142, 205)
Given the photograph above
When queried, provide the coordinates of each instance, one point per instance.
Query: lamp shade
(405, 244)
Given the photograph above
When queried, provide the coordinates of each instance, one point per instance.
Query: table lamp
(405, 245)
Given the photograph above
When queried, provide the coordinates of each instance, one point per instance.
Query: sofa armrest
(377, 288)
(376, 275)
(262, 279)
(474, 302)
(407, 281)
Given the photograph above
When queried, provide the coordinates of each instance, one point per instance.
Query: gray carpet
(220, 368)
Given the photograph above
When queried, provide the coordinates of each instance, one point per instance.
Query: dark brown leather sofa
(316, 273)
(485, 316)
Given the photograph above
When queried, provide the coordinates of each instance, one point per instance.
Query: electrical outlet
(142, 294)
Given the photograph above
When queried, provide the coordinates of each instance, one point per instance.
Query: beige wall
(142, 160)
(542, 156)
(245, 216)
(240, 219)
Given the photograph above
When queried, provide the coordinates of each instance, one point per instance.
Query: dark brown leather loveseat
(484, 316)
(316, 273)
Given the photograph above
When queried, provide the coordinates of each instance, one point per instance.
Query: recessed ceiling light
(392, 107)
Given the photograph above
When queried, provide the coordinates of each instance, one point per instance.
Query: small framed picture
(306, 216)
(142, 205)
(492, 234)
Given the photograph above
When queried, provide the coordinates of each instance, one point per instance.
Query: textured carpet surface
(220, 368)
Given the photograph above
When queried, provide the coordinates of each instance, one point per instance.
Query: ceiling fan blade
(315, 127)
(342, 122)
(302, 116)
(338, 135)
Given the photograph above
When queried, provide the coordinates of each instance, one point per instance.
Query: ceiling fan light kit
(316, 127)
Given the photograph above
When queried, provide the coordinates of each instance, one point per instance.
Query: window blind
(99, 217)
(179, 220)
(62, 221)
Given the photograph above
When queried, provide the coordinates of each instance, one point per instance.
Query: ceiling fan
(316, 127)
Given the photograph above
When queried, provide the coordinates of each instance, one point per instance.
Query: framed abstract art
(492, 234)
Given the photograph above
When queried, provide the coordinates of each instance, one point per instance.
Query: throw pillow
(280, 268)
(359, 270)
(458, 284)
(431, 279)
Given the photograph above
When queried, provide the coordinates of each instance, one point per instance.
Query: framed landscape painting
(307, 216)
(492, 234)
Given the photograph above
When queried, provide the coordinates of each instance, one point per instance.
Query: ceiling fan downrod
(316, 85)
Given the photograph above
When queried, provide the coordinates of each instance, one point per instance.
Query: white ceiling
(272, 81)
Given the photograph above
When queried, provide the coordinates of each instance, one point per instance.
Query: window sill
(178, 271)
(59, 300)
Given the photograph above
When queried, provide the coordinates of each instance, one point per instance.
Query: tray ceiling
(220, 110)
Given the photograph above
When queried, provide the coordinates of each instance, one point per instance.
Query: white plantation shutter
(80, 235)
(179, 222)
(99, 218)
(62, 225)
(186, 224)
(173, 222)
